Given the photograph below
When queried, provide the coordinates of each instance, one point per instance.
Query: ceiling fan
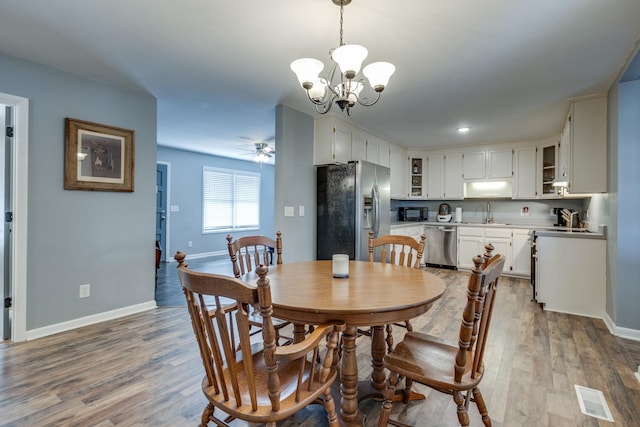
(262, 150)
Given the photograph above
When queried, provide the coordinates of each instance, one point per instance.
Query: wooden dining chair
(259, 381)
(400, 250)
(456, 369)
(248, 252)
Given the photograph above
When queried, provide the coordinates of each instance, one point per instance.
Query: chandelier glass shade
(342, 85)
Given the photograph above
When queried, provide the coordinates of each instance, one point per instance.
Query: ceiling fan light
(349, 58)
(379, 74)
(307, 71)
(261, 158)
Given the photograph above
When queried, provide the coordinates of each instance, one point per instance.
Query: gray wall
(295, 183)
(78, 237)
(185, 191)
(627, 291)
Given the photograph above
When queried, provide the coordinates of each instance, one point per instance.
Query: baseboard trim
(630, 334)
(89, 320)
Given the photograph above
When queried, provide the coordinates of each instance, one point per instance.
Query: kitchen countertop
(541, 230)
(465, 224)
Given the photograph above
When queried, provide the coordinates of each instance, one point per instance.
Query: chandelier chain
(341, 21)
(345, 91)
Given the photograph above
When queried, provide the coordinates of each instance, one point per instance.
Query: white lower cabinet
(521, 252)
(413, 230)
(571, 275)
(470, 244)
(500, 238)
(511, 243)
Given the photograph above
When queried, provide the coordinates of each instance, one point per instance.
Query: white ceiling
(218, 68)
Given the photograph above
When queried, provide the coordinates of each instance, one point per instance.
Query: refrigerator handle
(376, 211)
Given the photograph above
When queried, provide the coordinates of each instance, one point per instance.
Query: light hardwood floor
(145, 370)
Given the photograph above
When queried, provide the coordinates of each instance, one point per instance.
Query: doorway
(162, 188)
(6, 118)
(14, 200)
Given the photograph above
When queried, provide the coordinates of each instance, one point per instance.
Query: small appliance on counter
(413, 214)
(458, 217)
(444, 213)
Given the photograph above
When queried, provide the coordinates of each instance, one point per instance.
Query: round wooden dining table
(374, 294)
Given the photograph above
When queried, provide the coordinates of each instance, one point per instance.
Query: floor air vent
(593, 403)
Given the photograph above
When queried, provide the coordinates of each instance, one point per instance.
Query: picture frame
(98, 157)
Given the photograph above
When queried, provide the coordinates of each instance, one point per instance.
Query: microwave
(413, 214)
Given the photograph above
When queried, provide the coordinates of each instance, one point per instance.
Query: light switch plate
(289, 211)
(301, 210)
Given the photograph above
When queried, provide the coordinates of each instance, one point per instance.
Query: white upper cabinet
(564, 153)
(384, 157)
(331, 141)
(336, 141)
(587, 150)
(417, 176)
(399, 174)
(373, 150)
(453, 184)
(359, 146)
(496, 163)
(370, 148)
(548, 170)
(500, 163)
(474, 164)
(524, 173)
(435, 176)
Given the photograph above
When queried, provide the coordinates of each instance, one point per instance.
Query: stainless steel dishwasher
(441, 246)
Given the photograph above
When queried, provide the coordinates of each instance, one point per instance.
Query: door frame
(166, 250)
(19, 198)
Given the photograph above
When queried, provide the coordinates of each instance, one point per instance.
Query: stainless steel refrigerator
(351, 199)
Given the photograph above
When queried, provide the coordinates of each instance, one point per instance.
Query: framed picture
(98, 157)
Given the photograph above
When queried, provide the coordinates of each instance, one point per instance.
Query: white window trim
(235, 174)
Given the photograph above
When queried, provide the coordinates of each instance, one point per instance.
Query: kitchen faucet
(489, 214)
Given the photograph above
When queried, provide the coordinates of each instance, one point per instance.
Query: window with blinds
(230, 200)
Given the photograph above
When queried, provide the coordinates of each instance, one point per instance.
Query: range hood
(488, 189)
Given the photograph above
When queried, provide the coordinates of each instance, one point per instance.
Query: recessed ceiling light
(464, 129)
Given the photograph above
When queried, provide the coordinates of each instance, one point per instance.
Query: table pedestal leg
(349, 375)
(378, 351)
(298, 332)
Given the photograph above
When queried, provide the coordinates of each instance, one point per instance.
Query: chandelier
(343, 88)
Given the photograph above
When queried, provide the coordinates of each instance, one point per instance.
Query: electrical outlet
(189, 243)
(85, 291)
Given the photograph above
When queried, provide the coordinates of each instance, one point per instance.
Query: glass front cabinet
(417, 182)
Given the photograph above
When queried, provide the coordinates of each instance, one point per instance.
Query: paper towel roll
(458, 215)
